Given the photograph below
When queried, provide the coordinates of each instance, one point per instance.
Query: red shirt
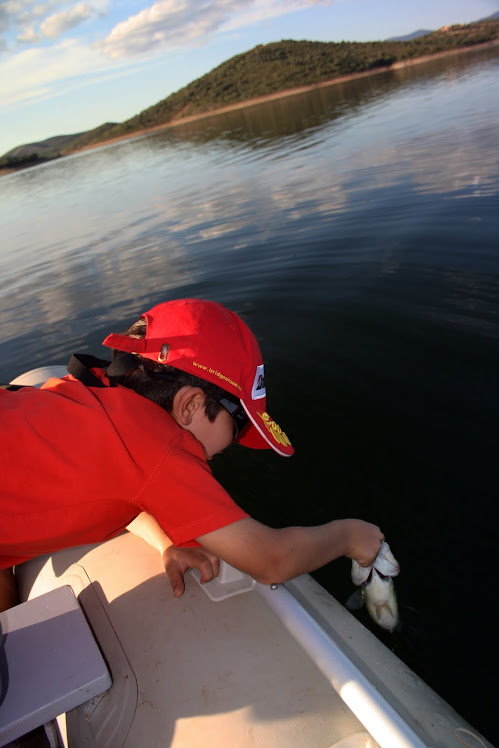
(79, 463)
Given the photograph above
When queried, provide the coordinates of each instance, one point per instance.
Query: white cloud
(28, 21)
(58, 23)
(165, 22)
(33, 73)
(43, 70)
(28, 36)
(175, 23)
(21, 13)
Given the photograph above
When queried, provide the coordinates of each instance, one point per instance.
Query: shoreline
(247, 103)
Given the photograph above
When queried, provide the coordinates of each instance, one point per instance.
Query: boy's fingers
(206, 562)
(215, 562)
(208, 569)
(176, 579)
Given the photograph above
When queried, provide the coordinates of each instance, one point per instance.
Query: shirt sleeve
(184, 497)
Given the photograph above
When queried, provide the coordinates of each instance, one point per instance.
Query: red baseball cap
(209, 341)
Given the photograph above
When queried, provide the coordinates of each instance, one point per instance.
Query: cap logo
(162, 355)
(258, 390)
(216, 373)
(274, 430)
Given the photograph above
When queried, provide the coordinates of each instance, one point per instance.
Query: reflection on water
(112, 214)
(355, 229)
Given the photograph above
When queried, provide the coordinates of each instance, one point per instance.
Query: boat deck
(190, 671)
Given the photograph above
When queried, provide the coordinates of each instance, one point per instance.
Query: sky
(70, 65)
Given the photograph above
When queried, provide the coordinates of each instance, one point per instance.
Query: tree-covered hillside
(36, 153)
(284, 65)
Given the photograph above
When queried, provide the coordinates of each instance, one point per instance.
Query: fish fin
(385, 562)
(360, 574)
(355, 601)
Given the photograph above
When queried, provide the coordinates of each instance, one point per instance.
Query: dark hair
(169, 381)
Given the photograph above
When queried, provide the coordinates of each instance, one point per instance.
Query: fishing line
(465, 742)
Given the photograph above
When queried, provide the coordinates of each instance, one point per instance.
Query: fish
(377, 590)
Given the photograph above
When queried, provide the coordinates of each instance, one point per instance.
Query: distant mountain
(46, 150)
(423, 32)
(43, 148)
(42, 151)
(409, 37)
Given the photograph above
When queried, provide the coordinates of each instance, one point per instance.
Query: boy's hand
(364, 540)
(177, 560)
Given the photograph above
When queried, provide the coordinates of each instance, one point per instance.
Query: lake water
(356, 230)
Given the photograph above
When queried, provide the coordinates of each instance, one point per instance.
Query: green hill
(37, 153)
(280, 66)
(46, 150)
(284, 65)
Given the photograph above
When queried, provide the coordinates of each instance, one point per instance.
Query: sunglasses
(237, 413)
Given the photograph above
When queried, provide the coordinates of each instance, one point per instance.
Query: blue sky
(70, 65)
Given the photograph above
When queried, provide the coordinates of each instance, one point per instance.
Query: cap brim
(125, 343)
(264, 432)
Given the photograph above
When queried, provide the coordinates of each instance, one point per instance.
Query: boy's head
(203, 339)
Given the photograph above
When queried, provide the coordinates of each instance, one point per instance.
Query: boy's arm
(175, 560)
(271, 555)
(146, 527)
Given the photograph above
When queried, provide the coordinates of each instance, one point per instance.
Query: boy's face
(214, 436)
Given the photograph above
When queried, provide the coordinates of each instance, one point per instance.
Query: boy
(127, 445)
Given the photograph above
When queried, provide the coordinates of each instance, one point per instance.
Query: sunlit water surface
(355, 229)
